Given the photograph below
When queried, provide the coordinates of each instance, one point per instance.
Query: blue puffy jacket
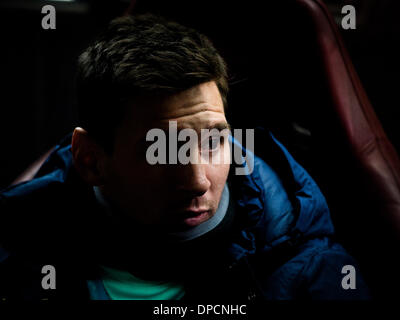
(283, 250)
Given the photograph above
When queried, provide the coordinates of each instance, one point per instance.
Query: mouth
(192, 218)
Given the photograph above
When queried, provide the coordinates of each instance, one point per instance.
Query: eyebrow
(219, 126)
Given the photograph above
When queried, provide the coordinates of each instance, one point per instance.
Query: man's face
(170, 196)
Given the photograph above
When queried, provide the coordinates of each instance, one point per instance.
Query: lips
(194, 212)
(192, 218)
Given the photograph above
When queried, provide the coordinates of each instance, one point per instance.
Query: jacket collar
(279, 199)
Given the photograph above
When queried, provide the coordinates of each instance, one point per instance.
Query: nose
(192, 179)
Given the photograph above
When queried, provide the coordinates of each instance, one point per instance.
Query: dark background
(37, 66)
(275, 82)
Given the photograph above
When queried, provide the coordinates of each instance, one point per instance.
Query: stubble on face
(166, 195)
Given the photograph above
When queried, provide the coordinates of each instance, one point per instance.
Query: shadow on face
(170, 196)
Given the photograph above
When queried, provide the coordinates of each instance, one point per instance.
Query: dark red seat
(350, 155)
(371, 148)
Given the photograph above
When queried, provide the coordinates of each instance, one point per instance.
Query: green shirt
(122, 285)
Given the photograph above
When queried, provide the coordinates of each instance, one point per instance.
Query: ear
(89, 157)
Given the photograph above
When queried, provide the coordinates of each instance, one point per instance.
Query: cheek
(135, 187)
(139, 177)
(124, 175)
(218, 175)
(129, 165)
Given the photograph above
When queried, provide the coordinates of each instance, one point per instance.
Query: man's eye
(212, 144)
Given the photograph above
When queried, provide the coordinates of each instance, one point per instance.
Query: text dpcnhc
(221, 309)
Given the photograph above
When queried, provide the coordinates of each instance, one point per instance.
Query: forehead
(198, 107)
(202, 98)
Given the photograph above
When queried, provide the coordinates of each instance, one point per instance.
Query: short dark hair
(139, 56)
